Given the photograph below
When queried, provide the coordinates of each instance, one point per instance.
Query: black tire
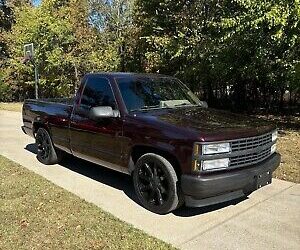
(47, 153)
(156, 184)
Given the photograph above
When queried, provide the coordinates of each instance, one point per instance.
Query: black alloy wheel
(46, 152)
(155, 183)
(43, 145)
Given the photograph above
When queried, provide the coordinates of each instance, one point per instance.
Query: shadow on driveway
(123, 182)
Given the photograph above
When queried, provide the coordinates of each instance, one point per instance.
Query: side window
(97, 92)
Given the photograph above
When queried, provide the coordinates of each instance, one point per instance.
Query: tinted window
(97, 92)
(144, 92)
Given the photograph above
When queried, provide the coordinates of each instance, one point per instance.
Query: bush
(5, 91)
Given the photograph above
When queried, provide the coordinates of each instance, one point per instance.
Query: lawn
(289, 147)
(36, 214)
(11, 106)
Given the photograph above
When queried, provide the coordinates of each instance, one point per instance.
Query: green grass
(36, 214)
(288, 146)
(11, 106)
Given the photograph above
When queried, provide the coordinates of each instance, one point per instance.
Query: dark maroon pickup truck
(155, 129)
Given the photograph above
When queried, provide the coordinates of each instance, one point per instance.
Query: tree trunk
(282, 90)
(76, 84)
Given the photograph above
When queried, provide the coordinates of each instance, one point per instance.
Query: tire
(47, 153)
(156, 184)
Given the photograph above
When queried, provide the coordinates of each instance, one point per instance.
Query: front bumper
(218, 187)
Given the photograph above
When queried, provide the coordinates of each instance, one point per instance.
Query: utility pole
(36, 79)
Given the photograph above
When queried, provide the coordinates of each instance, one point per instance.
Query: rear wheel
(47, 153)
(155, 182)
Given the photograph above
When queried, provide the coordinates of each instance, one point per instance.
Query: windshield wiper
(149, 108)
(145, 108)
(184, 104)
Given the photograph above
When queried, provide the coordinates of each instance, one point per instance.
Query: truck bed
(55, 109)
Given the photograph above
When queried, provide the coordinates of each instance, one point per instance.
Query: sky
(36, 2)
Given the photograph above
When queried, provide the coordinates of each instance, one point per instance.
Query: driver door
(96, 141)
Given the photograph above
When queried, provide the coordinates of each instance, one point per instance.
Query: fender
(163, 149)
(39, 122)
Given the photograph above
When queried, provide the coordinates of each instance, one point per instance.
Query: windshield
(154, 93)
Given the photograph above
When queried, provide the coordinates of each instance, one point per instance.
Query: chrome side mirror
(103, 112)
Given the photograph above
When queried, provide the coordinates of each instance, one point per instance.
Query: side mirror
(203, 104)
(102, 112)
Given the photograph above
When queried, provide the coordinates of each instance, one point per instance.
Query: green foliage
(5, 24)
(242, 53)
(66, 46)
(5, 92)
(242, 50)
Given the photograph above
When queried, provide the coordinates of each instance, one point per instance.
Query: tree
(69, 41)
(113, 21)
(242, 54)
(239, 50)
(7, 19)
(51, 37)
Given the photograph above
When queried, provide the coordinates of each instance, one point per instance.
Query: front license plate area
(263, 179)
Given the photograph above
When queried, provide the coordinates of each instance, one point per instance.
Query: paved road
(268, 219)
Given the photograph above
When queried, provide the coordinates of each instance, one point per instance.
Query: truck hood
(209, 124)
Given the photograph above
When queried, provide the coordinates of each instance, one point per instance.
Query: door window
(97, 92)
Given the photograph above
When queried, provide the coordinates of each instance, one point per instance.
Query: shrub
(5, 91)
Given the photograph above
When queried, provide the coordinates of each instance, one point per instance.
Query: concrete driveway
(268, 219)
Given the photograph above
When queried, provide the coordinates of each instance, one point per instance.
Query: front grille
(249, 159)
(244, 151)
(249, 151)
(251, 143)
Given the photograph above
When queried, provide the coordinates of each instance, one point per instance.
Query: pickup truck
(152, 127)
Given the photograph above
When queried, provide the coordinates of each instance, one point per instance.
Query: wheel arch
(39, 124)
(138, 150)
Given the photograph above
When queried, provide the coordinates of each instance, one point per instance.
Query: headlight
(216, 148)
(215, 164)
(274, 135)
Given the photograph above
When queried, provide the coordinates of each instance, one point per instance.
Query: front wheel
(46, 153)
(155, 182)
